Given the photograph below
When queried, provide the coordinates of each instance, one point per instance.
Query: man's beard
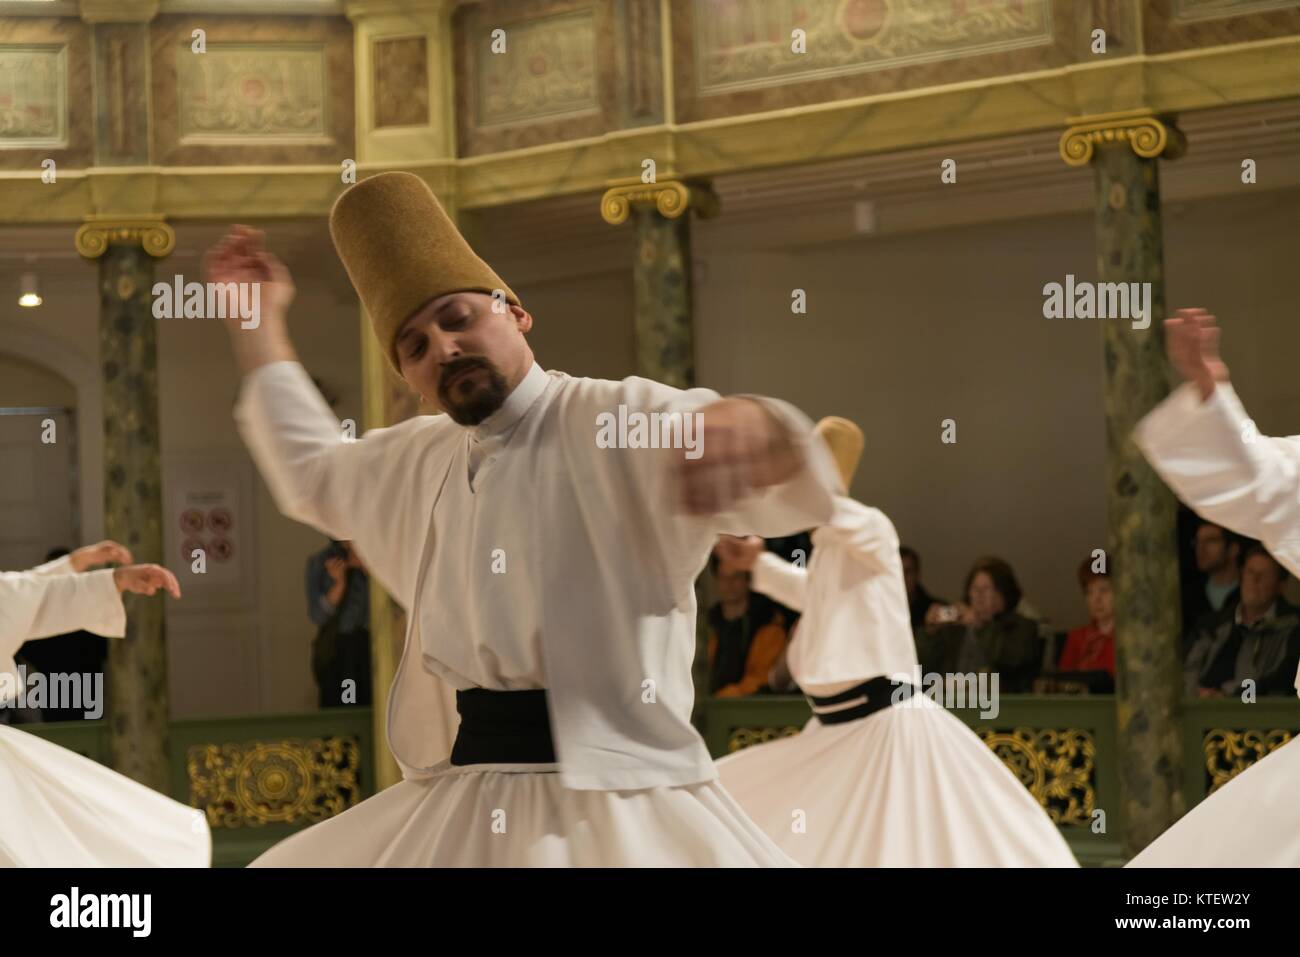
(468, 404)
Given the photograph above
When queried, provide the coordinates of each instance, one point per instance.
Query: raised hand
(741, 552)
(1192, 341)
(145, 580)
(240, 258)
(101, 553)
(337, 569)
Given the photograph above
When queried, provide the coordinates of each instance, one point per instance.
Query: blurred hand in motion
(146, 580)
(744, 449)
(1192, 341)
(102, 553)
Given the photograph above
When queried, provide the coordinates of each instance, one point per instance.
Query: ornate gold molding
(361, 9)
(742, 738)
(1228, 752)
(118, 11)
(1146, 134)
(671, 198)
(1058, 766)
(292, 781)
(93, 238)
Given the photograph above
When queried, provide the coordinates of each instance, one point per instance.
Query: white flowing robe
(1209, 453)
(58, 809)
(907, 786)
(530, 557)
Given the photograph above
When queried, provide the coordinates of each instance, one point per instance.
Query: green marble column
(137, 666)
(661, 275)
(1143, 544)
(663, 323)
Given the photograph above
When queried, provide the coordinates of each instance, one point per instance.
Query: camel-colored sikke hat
(401, 250)
(845, 441)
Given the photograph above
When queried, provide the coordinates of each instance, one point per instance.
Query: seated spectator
(918, 599)
(338, 603)
(1091, 648)
(1218, 558)
(779, 679)
(984, 635)
(747, 634)
(1257, 640)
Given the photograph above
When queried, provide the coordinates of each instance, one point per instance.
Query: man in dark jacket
(1258, 640)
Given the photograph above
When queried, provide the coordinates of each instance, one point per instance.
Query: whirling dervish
(1202, 443)
(57, 808)
(881, 776)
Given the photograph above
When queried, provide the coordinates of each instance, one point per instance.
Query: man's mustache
(456, 367)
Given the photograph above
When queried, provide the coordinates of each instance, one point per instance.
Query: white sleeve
(1209, 454)
(779, 579)
(297, 443)
(359, 491)
(39, 606)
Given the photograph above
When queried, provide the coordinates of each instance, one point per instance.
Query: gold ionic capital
(671, 198)
(1146, 134)
(94, 237)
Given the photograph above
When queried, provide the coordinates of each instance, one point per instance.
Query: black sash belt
(879, 693)
(503, 727)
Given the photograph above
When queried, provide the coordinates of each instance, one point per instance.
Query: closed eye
(415, 347)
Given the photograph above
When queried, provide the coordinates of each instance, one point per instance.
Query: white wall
(906, 330)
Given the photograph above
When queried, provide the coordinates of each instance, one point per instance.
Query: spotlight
(28, 295)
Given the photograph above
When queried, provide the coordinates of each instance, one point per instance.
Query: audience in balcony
(1245, 630)
(338, 603)
(1256, 640)
(987, 633)
(919, 601)
(1216, 588)
(747, 634)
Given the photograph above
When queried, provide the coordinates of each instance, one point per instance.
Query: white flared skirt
(58, 809)
(1252, 821)
(905, 787)
(498, 815)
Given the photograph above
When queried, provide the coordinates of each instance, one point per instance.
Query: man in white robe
(879, 777)
(548, 576)
(1203, 444)
(60, 809)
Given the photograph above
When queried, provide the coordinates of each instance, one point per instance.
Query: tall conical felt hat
(845, 442)
(401, 250)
